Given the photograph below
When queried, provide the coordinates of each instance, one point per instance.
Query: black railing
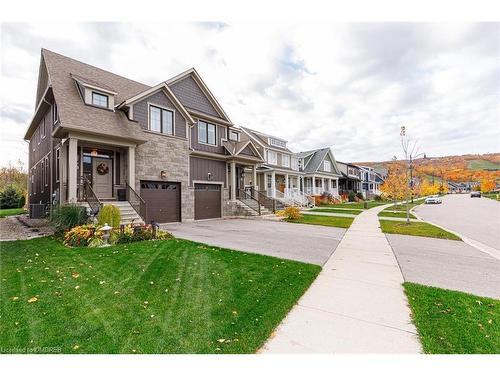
(137, 203)
(246, 197)
(264, 200)
(86, 193)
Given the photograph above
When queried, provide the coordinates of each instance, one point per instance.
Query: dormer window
(327, 166)
(234, 136)
(277, 143)
(100, 100)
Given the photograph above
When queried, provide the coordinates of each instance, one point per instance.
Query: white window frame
(44, 129)
(231, 133)
(58, 161)
(43, 175)
(294, 163)
(161, 119)
(97, 94)
(277, 143)
(283, 158)
(206, 129)
(325, 164)
(46, 171)
(55, 113)
(275, 158)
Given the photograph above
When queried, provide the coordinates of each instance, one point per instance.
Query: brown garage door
(207, 200)
(163, 200)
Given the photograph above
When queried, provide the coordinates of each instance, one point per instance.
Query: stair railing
(137, 203)
(87, 194)
(264, 200)
(244, 195)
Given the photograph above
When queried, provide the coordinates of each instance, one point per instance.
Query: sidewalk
(357, 303)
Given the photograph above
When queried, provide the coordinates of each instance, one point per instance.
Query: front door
(102, 177)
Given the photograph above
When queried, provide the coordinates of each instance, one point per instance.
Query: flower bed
(91, 235)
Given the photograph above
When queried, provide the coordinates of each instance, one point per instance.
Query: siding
(220, 134)
(191, 96)
(199, 169)
(160, 99)
(247, 151)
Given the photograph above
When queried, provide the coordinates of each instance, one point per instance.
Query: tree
(487, 185)
(10, 198)
(14, 176)
(426, 188)
(395, 187)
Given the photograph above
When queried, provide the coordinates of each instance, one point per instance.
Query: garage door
(163, 200)
(207, 201)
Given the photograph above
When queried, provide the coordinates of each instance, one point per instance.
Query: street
(476, 218)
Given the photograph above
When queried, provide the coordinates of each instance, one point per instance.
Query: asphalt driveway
(305, 243)
(475, 218)
(447, 264)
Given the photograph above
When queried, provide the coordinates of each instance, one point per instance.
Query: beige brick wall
(169, 154)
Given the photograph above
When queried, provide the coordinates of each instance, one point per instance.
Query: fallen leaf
(221, 340)
(15, 298)
(32, 299)
(77, 287)
(102, 282)
(76, 347)
(75, 275)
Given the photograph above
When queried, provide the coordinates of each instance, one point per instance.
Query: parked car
(475, 194)
(433, 199)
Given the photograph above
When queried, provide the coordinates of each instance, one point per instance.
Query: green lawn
(371, 204)
(329, 221)
(480, 164)
(401, 214)
(495, 196)
(402, 206)
(171, 296)
(336, 211)
(419, 228)
(11, 211)
(450, 322)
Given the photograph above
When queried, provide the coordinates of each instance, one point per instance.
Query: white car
(433, 199)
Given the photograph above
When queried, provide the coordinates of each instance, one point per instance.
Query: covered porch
(318, 185)
(101, 168)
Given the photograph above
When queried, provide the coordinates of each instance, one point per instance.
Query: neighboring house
(320, 172)
(370, 182)
(279, 175)
(350, 180)
(169, 150)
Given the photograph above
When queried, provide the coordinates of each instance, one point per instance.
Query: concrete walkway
(357, 303)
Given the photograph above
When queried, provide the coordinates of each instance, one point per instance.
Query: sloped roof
(262, 138)
(74, 114)
(317, 158)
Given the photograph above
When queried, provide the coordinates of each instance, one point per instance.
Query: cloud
(350, 86)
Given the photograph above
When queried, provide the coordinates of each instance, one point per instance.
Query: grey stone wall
(167, 154)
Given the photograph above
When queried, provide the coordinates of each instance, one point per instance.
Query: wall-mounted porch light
(163, 174)
(93, 153)
(209, 176)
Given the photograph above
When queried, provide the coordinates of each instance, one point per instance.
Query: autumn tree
(487, 185)
(395, 186)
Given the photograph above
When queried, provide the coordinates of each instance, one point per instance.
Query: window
(55, 113)
(161, 120)
(272, 157)
(57, 165)
(206, 133)
(43, 174)
(277, 143)
(46, 171)
(234, 136)
(295, 164)
(99, 100)
(327, 166)
(285, 161)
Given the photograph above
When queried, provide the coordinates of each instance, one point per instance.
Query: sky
(349, 86)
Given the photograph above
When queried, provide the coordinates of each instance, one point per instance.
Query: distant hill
(460, 168)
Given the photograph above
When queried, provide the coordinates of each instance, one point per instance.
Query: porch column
(273, 184)
(255, 183)
(287, 185)
(233, 180)
(322, 184)
(131, 167)
(72, 169)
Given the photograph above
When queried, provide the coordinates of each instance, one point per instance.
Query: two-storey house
(350, 180)
(169, 151)
(320, 172)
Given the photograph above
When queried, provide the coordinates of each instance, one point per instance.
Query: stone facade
(169, 154)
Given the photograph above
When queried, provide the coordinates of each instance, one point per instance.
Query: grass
(450, 322)
(336, 211)
(328, 221)
(495, 196)
(401, 214)
(482, 165)
(11, 211)
(402, 206)
(419, 228)
(171, 296)
(358, 205)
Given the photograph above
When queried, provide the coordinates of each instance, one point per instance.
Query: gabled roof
(76, 115)
(261, 139)
(317, 157)
(150, 91)
(236, 147)
(94, 84)
(201, 84)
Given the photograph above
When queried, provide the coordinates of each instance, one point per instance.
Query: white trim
(198, 134)
(161, 118)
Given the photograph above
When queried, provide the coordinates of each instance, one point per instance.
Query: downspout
(29, 176)
(51, 190)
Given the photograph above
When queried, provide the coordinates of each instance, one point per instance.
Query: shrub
(359, 195)
(22, 201)
(378, 198)
(80, 236)
(68, 216)
(110, 215)
(9, 198)
(131, 233)
(292, 213)
(352, 196)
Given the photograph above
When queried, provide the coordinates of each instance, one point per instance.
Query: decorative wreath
(102, 169)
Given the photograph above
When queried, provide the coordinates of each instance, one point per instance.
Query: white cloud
(349, 86)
